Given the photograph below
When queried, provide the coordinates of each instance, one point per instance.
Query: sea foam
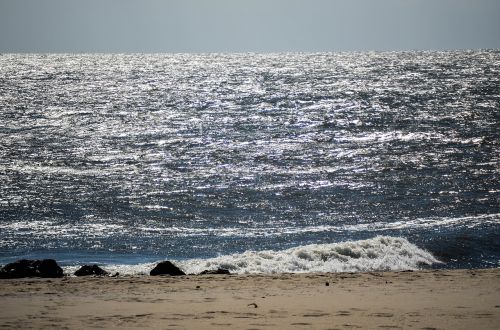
(381, 253)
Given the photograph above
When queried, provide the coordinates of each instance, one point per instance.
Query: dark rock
(166, 268)
(87, 270)
(17, 269)
(49, 268)
(219, 271)
(31, 268)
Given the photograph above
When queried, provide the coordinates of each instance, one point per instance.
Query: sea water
(258, 163)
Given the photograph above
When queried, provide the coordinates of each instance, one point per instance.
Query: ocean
(257, 163)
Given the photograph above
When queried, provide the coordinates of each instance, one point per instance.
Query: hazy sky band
(246, 25)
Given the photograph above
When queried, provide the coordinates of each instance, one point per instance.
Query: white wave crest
(381, 253)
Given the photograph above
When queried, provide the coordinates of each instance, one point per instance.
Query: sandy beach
(432, 299)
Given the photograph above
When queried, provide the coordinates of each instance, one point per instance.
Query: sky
(152, 26)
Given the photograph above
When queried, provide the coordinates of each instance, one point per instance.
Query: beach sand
(432, 299)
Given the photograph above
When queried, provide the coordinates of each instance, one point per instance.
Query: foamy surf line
(381, 253)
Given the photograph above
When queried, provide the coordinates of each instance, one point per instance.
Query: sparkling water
(252, 162)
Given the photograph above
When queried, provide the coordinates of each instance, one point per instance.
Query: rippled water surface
(127, 159)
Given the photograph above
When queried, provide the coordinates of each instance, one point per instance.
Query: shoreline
(425, 299)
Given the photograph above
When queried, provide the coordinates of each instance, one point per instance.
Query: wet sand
(433, 299)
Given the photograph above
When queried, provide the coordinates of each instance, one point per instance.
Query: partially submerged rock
(218, 271)
(31, 268)
(88, 270)
(166, 268)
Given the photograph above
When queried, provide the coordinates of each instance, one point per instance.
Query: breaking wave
(381, 253)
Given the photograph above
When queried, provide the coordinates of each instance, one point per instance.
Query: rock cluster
(168, 268)
(50, 268)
